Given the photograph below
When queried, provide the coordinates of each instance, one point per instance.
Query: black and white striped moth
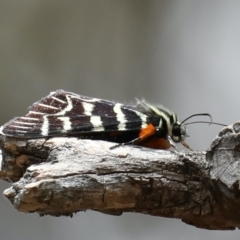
(63, 113)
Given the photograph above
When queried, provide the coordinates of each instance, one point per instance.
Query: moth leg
(172, 143)
(145, 133)
(126, 143)
(186, 145)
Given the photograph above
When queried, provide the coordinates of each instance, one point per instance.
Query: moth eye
(176, 131)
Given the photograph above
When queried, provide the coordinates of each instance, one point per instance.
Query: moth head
(179, 132)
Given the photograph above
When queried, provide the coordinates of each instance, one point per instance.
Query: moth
(63, 113)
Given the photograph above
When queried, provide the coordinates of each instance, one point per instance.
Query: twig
(61, 176)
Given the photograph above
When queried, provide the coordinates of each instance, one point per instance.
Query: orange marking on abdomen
(154, 142)
(146, 132)
(157, 143)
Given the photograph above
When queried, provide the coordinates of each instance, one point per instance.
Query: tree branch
(60, 176)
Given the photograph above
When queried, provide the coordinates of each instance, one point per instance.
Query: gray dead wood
(61, 176)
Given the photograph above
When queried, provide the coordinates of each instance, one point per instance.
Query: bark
(61, 176)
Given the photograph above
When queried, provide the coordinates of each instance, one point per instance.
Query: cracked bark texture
(61, 176)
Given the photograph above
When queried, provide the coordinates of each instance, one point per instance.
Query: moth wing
(63, 113)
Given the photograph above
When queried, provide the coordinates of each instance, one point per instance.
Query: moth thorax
(178, 132)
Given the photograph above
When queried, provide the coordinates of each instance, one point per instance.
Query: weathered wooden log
(61, 176)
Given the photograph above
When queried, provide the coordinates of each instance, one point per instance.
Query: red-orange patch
(160, 143)
(146, 132)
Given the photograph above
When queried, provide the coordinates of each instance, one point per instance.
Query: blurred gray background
(182, 54)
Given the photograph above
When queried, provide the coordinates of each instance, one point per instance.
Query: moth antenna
(198, 114)
(214, 123)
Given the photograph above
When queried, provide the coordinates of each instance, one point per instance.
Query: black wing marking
(64, 113)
